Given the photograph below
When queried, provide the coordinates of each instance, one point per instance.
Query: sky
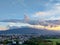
(35, 9)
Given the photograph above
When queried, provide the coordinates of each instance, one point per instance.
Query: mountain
(15, 24)
(45, 24)
(28, 30)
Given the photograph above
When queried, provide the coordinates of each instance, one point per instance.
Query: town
(14, 39)
(29, 39)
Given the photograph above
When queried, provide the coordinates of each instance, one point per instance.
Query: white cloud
(52, 12)
(54, 18)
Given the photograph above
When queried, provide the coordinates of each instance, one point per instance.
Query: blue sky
(39, 9)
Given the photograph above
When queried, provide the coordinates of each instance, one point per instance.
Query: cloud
(41, 13)
(18, 24)
(54, 18)
(54, 11)
(44, 13)
(3, 28)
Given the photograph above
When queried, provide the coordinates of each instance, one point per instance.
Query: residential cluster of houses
(14, 39)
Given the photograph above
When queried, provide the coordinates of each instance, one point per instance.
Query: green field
(54, 41)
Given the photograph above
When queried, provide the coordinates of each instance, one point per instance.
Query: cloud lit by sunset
(3, 28)
(49, 27)
(57, 28)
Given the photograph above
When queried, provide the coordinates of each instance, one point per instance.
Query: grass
(54, 41)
